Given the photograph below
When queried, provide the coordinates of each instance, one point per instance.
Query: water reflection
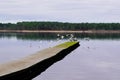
(12, 48)
(97, 58)
(99, 62)
(53, 36)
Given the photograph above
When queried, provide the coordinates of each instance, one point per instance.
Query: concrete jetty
(31, 66)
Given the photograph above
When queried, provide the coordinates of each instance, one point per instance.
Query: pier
(33, 65)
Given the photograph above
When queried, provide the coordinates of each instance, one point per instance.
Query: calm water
(96, 59)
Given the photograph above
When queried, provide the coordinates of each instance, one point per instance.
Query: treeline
(59, 26)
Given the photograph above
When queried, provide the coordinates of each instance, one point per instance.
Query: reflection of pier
(33, 65)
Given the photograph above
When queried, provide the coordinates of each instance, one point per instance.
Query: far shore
(61, 31)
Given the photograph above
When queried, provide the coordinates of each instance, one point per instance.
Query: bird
(62, 37)
(71, 35)
(72, 38)
(58, 35)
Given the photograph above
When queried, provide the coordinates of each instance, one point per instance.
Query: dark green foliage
(59, 26)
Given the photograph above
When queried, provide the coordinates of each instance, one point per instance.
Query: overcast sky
(60, 10)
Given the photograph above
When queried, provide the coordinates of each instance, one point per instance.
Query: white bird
(74, 39)
(71, 35)
(62, 37)
(67, 34)
(58, 34)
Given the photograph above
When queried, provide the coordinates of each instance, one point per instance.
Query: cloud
(61, 10)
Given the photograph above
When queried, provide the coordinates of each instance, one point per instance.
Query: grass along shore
(62, 31)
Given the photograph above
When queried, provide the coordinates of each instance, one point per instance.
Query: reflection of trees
(53, 36)
(100, 36)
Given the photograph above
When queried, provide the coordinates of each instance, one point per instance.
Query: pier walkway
(29, 67)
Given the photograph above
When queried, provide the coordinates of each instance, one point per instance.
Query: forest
(58, 26)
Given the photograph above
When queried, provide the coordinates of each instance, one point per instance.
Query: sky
(75, 11)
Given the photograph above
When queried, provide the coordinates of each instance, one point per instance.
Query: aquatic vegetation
(67, 44)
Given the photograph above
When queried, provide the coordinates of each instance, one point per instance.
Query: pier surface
(33, 65)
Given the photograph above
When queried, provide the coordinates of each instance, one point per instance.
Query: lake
(97, 57)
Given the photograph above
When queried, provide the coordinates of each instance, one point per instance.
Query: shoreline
(61, 31)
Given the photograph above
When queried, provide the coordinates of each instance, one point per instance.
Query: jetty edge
(33, 65)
